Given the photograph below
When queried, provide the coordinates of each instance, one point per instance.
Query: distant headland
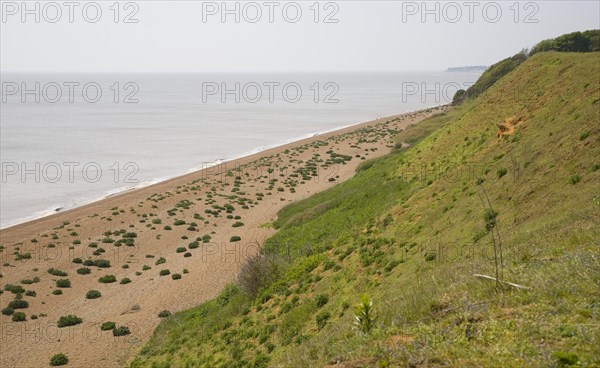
(473, 68)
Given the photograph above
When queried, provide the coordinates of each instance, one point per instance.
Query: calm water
(93, 135)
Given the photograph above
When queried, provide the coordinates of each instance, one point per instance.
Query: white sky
(171, 36)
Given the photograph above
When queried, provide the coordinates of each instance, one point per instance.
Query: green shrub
(7, 311)
(235, 238)
(176, 276)
(18, 304)
(58, 359)
(93, 294)
(69, 320)
(575, 179)
(63, 283)
(161, 260)
(571, 42)
(19, 317)
(565, 359)
(237, 224)
(164, 314)
(322, 319)
(321, 300)
(15, 289)
(56, 272)
(125, 280)
(77, 260)
(164, 272)
(430, 256)
(57, 292)
(84, 271)
(181, 249)
(102, 263)
(107, 326)
(107, 279)
(121, 331)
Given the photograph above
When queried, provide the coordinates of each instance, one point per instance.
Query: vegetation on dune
(475, 246)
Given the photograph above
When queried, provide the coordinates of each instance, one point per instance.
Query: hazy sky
(190, 36)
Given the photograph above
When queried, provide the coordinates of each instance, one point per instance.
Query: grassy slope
(408, 230)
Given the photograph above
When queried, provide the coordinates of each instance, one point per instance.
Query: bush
(164, 314)
(256, 273)
(107, 279)
(58, 359)
(181, 249)
(18, 304)
(235, 238)
(93, 294)
(571, 42)
(70, 320)
(125, 280)
(56, 272)
(161, 260)
(84, 271)
(321, 300)
(164, 272)
(102, 263)
(121, 331)
(19, 317)
(107, 326)
(176, 276)
(322, 319)
(7, 311)
(63, 283)
(565, 359)
(237, 224)
(15, 289)
(57, 292)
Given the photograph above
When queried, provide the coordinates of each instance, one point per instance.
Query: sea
(71, 139)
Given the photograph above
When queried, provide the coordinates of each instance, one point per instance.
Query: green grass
(408, 232)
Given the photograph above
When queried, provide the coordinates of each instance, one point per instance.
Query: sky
(274, 36)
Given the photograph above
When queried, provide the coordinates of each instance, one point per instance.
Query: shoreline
(85, 203)
(59, 209)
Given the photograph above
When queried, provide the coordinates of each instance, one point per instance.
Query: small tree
(364, 315)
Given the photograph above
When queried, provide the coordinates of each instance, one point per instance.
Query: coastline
(56, 241)
(242, 159)
(62, 208)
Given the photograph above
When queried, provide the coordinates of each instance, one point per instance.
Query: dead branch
(502, 282)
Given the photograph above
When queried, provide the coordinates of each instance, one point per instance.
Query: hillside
(516, 167)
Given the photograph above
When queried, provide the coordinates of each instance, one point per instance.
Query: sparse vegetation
(69, 320)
